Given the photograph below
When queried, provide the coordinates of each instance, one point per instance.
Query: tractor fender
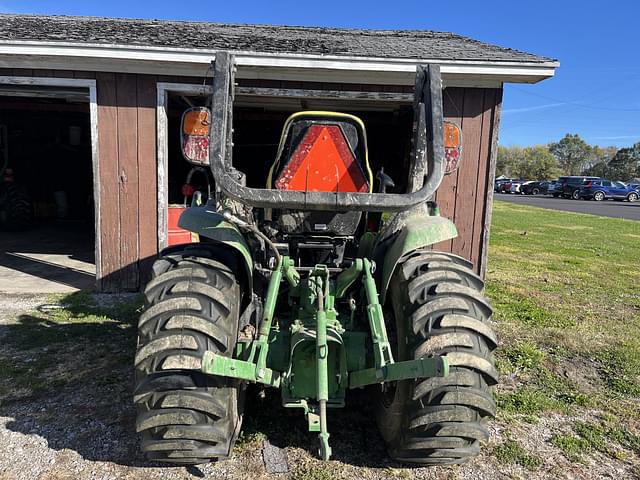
(212, 225)
(419, 230)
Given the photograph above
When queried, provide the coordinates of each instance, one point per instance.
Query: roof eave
(281, 66)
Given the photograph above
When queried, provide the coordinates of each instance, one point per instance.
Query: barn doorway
(47, 214)
(258, 122)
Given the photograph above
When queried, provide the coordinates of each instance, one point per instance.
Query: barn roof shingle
(409, 44)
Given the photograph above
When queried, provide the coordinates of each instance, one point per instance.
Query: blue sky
(596, 91)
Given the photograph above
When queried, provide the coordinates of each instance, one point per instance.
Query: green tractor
(316, 285)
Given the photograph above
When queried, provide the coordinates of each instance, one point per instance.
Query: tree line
(569, 156)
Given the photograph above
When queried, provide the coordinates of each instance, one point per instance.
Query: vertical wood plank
(491, 175)
(126, 95)
(147, 166)
(453, 106)
(483, 174)
(467, 180)
(109, 215)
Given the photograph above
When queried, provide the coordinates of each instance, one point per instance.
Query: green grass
(571, 446)
(523, 356)
(603, 436)
(74, 339)
(71, 318)
(511, 452)
(567, 301)
(314, 473)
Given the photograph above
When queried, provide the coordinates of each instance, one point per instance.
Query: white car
(515, 187)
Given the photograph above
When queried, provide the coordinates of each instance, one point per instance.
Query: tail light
(323, 162)
(194, 135)
(452, 147)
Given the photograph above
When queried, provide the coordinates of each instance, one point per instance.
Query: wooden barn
(90, 109)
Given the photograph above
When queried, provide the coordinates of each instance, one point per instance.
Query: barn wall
(465, 196)
(127, 168)
(127, 158)
(127, 173)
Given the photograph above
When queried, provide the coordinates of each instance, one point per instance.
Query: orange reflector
(323, 162)
(196, 122)
(451, 135)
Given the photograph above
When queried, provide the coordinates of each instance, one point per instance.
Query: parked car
(515, 187)
(535, 188)
(571, 185)
(500, 184)
(505, 187)
(599, 190)
(555, 188)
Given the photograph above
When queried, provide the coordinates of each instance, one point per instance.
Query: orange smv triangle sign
(323, 162)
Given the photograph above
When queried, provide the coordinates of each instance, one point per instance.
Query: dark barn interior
(49, 156)
(258, 124)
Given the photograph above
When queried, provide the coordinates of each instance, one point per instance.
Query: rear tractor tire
(192, 304)
(15, 207)
(439, 309)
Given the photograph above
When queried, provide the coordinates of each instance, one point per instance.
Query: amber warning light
(195, 135)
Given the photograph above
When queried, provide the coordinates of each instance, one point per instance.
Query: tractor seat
(321, 152)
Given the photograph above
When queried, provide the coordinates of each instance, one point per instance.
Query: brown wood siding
(463, 195)
(147, 175)
(128, 178)
(109, 217)
(127, 169)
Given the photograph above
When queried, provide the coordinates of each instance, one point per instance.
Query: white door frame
(89, 84)
(163, 89)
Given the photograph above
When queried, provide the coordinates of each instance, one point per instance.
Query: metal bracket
(215, 364)
(381, 346)
(436, 366)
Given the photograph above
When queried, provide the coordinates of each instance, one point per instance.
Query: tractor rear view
(319, 283)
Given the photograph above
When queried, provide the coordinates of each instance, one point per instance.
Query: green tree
(600, 169)
(533, 162)
(538, 163)
(573, 153)
(625, 164)
(507, 161)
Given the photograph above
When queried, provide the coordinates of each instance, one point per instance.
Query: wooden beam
(109, 217)
(127, 136)
(305, 93)
(491, 176)
(147, 175)
(26, 106)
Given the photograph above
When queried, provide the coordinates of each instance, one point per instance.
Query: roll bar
(426, 166)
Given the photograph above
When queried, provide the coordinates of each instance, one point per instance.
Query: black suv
(571, 185)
